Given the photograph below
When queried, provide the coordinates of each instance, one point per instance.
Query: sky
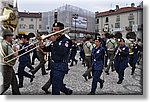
(91, 5)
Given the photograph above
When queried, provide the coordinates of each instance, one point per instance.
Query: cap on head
(24, 36)
(58, 24)
(7, 32)
(99, 39)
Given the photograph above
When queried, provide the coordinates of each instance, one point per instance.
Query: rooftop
(30, 15)
(120, 10)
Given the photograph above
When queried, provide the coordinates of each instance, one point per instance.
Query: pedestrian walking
(97, 65)
(8, 73)
(88, 46)
(59, 48)
(24, 61)
(121, 59)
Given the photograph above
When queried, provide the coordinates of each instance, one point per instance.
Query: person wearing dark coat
(133, 56)
(59, 48)
(73, 53)
(97, 65)
(24, 61)
(121, 59)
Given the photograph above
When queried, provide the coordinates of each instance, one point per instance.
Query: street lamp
(75, 17)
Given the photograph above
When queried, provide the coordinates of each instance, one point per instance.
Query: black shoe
(44, 73)
(119, 82)
(85, 77)
(20, 86)
(113, 70)
(76, 61)
(69, 92)
(132, 72)
(107, 72)
(71, 65)
(91, 93)
(102, 84)
(31, 79)
(46, 91)
(48, 69)
(84, 65)
(90, 77)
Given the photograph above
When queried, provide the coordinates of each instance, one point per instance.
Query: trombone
(39, 38)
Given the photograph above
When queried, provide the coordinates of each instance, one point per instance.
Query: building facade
(29, 23)
(124, 19)
(82, 22)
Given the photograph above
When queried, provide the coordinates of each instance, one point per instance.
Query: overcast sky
(91, 5)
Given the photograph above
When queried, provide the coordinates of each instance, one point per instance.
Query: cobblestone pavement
(132, 85)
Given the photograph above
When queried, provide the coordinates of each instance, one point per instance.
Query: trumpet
(61, 32)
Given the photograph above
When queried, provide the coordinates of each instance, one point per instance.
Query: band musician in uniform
(9, 77)
(121, 59)
(97, 65)
(59, 48)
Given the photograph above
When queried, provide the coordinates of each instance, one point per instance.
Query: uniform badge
(123, 48)
(60, 42)
(66, 44)
(98, 51)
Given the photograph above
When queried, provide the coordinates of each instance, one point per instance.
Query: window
(31, 26)
(22, 26)
(118, 18)
(131, 16)
(131, 23)
(97, 21)
(40, 26)
(107, 20)
(22, 19)
(31, 19)
(117, 25)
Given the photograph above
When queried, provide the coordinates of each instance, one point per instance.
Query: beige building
(29, 23)
(124, 19)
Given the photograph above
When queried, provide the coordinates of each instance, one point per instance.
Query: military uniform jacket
(87, 46)
(59, 53)
(26, 57)
(7, 49)
(122, 57)
(98, 58)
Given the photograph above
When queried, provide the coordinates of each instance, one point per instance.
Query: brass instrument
(61, 32)
(131, 46)
(8, 21)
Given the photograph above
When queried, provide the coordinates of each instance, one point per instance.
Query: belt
(59, 61)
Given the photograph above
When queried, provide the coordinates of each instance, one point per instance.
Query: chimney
(117, 7)
(132, 4)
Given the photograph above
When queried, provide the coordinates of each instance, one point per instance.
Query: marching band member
(133, 55)
(7, 68)
(59, 48)
(97, 65)
(41, 54)
(88, 46)
(121, 59)
(24, 61)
